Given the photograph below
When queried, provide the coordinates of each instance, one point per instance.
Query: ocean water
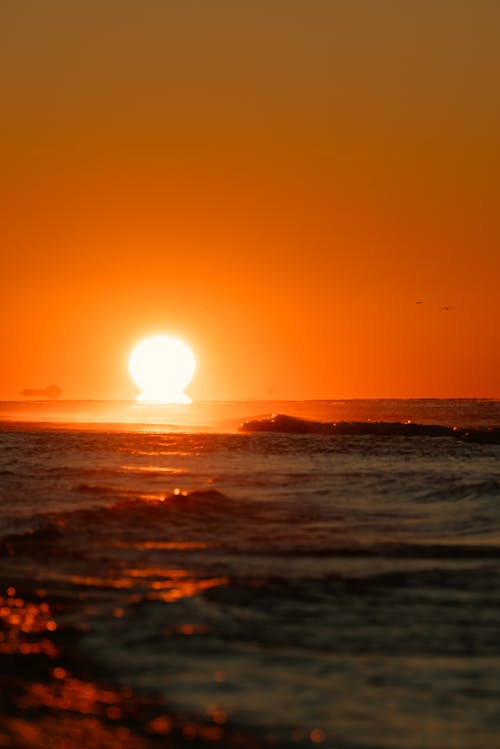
(168, 578)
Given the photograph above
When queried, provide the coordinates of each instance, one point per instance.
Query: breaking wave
(294, 425)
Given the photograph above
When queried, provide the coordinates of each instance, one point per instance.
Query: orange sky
(275, 182)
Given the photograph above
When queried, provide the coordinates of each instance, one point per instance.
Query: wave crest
(294, 425)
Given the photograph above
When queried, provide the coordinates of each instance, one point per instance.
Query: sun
(162, 367)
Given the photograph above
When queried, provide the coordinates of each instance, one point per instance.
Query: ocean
(210, 575)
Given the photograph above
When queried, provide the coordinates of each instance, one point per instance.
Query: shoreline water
(172, 586)
(54, 696)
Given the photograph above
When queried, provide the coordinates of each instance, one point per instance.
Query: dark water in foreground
(183, 582)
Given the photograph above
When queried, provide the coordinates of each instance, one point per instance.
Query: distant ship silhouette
(52, 392)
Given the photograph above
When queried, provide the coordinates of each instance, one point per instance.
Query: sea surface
(169, 577)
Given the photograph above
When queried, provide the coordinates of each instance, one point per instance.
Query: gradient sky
(276, 182)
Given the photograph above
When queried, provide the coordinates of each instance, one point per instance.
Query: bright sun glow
(162, 367)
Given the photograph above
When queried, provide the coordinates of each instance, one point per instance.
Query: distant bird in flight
(419, 301)
(446, 309)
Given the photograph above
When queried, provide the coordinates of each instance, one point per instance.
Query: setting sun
(162, 367)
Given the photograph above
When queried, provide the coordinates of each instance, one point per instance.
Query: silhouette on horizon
(52, 392)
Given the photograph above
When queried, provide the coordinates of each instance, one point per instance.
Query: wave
(208, 519)
(294, 425)
(130, 517)
(484, 491)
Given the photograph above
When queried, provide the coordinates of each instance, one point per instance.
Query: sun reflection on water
(23, 626)
(50, 706)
